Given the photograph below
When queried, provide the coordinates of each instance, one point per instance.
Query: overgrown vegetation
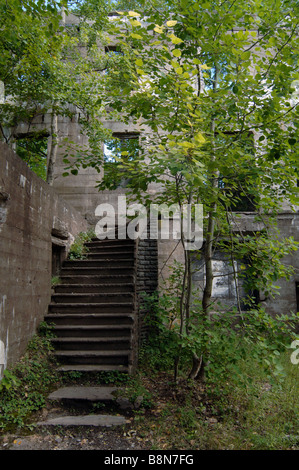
(227, 415)
(218, 136)
(78, 249)
(247, 408)
(25, 387)
(247, 398)
(33, 150)
(226, 335)
(55, 280)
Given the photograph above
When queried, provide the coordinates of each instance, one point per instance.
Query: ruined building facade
(38, 223)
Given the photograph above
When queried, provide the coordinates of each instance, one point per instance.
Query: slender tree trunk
(53, 149)
(182, 299)
(234, 269)
(198, 366)
(186, 296)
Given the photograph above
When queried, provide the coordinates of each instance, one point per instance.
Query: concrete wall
(224, 288)
(33, 218)
(286, 299)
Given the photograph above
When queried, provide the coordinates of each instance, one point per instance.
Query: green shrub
(24, 388)
(78, 249)
(55, 280)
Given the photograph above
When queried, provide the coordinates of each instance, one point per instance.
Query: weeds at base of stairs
(184, 416)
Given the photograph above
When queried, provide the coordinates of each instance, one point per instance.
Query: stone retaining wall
(34, 221)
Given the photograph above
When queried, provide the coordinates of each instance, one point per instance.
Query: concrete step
(111, 307)
(93, 309)
(99, 263)
(108, 279)
(88, 298)
(87, 331)
(86, 420)
(120, 357)
(112, 248)
(110, 242)
(94, 288)
(89, 394)
(116, 255)
(93, 368)
(96, 271)
(92, 343)
(85, 319)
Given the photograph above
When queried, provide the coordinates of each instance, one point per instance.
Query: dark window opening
(111, 50)
(115, 68)
(58, 256)
(32, 148)
(242, 202)
(238, 181)
(122, 148)
(252, 300)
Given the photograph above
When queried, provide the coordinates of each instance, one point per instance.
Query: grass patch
(109, 378)
(257, 415)
(250, 410)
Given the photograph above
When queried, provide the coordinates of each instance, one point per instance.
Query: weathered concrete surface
(86, 420)
(224, 288)
(32, 217)
(84, 393)
(286, 299)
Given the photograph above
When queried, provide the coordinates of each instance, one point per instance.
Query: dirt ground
(118, 438)
(122, 437)
(75, 439)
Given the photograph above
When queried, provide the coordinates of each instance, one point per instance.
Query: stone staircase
(93, 309)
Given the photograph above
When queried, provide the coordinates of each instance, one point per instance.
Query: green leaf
(135, 23)
(133, 14)
(171, 23)
(136, 36)
(175, 39)
(158, 29)
(245, 55)
(176, 52)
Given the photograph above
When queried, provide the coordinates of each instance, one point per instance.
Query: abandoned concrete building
(95, 308)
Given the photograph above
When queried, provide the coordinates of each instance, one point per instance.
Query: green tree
(29, 40)
(40, 66)
(214, 85)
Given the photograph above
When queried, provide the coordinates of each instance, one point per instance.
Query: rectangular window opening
(116, 49)
(32, 148)
(58, 256)
(237, 184)
(122, 145)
